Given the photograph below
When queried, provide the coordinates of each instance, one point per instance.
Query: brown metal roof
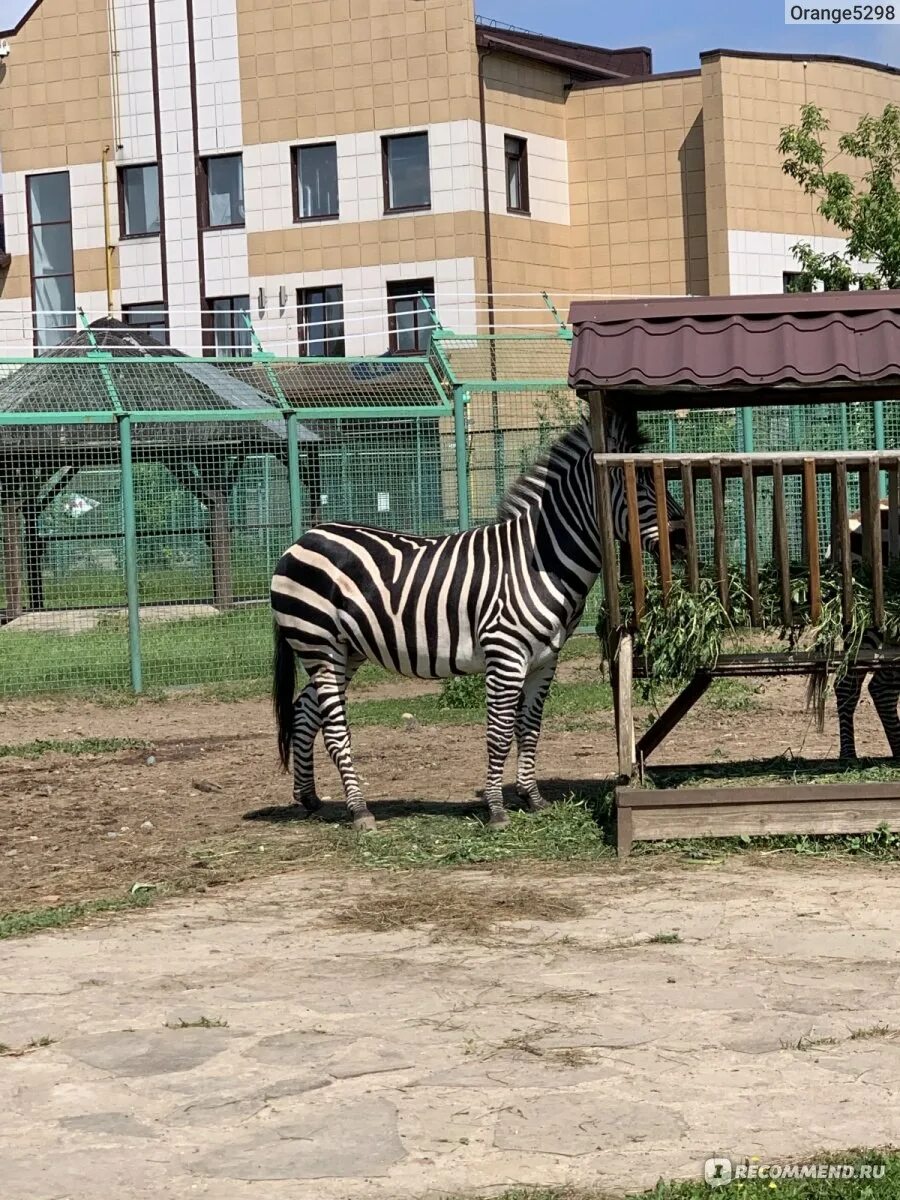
(591, 62)
(716, 342)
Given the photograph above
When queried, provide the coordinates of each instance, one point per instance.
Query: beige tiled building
(197, 159)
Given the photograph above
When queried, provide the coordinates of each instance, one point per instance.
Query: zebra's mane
(625, 435)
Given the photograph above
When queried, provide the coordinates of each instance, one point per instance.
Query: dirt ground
(342, 1034)
(75, 827)
(253, 1042)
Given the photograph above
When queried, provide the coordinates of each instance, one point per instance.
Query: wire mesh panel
(146, 498)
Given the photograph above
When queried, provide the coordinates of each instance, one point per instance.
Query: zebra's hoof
(498, 819)
(309, 804)
(364, 823)
(537, 803)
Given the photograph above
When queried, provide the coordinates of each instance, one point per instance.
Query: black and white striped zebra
(499, 599)
(884, 685)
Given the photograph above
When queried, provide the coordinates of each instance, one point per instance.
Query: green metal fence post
(460, 396)
(129, 518)
(747, 428)
(131, 558)
(878, 414)
(292, 429)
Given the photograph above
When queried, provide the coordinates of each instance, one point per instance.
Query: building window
(139, 201)
(516, 151)
(410, 320)
(405, 168)
(315, 181)
(229, 331)
(223, 191)
(49, 205)
(2, 228)
(320, 321)
(151, 318)
(792, 281)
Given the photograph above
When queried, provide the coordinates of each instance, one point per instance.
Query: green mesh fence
(145, 496)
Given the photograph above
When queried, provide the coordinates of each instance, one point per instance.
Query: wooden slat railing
(876, 537)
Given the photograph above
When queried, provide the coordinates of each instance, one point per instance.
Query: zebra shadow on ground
(335, 811)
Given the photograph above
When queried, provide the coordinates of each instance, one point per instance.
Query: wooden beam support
(671, 716)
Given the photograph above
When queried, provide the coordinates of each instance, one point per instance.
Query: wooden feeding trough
(739, 352)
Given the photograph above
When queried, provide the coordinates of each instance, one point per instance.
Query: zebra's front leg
(503, 687)
(331, 690)
(884, 688)
(528, 730)
(847, 691)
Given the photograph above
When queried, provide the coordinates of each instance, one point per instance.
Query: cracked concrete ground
(355, 1065)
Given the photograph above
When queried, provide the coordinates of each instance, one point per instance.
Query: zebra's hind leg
(847, 691)
(503, 685)
(307, 723)
(884, 688)
(331, 689)
(528, 730)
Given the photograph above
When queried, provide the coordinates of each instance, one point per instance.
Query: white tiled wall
(139, 270)
(131, 72)
(218, 75)
(179, 184)
(365, 302)
(225, 260)
(548, 174)
(757, 261)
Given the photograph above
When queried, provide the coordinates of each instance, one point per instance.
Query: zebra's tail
(283, 682)
(815, 694)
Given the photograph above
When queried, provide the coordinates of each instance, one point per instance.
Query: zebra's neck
(552, 505)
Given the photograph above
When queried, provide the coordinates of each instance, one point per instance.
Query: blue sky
(676, 30)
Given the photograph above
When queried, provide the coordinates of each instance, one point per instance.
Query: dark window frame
(412, 289)
(386, 140)
(120, 191)
(56, 275)
(303, 323)
(299, 218)
(146, 306)
(520, 156)
(203, 176)
(209, 327)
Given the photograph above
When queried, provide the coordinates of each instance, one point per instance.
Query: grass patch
(17, 924)
(664, 939)
(563, 832)
(79, 746)
(568, 704)
(732, 695)
(872, 1032)
(460, 910)
(884, 1187)
(199, 1023)
(18, 1051)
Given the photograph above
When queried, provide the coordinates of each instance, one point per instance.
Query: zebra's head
(624, 434)
(563, 479)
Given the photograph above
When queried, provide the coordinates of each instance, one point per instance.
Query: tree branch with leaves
(866, 211)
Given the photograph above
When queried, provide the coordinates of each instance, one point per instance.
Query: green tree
(867, 212)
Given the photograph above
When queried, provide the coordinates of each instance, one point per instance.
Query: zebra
(499, 599)
(884, 685)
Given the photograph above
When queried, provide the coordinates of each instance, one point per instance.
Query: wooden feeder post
(619, 641)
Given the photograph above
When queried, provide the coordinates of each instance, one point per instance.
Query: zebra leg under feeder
(528, 730)
(503, 689)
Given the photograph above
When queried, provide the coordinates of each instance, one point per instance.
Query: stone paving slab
(362, 1066)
